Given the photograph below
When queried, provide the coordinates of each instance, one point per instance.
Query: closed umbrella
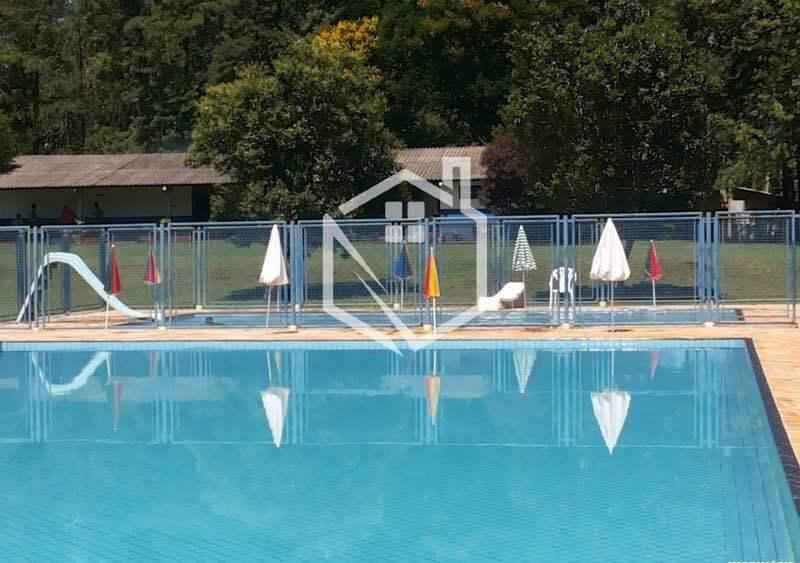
(524, 360)
(522, 259)
(653, 268)
(610, 263)
(152, 277)
(273, 270)
(430, 287)
(402, 270)
(115, 281)
(275, 401)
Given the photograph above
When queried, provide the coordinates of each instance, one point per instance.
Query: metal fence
(679, 297)
(721, 268)
(16, 264)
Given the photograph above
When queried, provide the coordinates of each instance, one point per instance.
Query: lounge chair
(506, 297)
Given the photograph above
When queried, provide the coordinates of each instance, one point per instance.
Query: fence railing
(720, 268)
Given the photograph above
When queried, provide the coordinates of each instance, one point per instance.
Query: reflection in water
(276, 402)
(433, 386)
(524, 362)
(610, 409)
(526, 397)
(406, 460)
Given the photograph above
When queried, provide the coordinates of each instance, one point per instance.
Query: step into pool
(344, 451)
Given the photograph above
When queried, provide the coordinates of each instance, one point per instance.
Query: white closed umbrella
(522, 259)
(610, 409)
(524, 360)
(610, 263)
(273, 271)
(276, 403)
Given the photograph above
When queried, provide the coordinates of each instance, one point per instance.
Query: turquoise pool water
(499, 318)
(466, 451)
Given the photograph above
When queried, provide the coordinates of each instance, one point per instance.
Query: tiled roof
(427, 162)
(106, 170)
(170, 169)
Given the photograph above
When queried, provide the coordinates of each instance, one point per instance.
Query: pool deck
(778, 346)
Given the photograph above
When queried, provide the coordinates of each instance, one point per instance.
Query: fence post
(66, 274)
(21, 248)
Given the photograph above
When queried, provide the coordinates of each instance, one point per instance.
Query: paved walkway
(778, 347)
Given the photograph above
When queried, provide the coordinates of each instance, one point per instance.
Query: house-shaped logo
(455, 171)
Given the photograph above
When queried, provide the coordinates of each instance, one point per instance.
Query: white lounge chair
(506, 297)
(562, 282)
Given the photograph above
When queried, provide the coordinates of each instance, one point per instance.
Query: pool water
(593, 316)
(464, 451)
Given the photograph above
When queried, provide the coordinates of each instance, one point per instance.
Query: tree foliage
(613, 109)
(7, 145)
(300, 137)
(630, 104)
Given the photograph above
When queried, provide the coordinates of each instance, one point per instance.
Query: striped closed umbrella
(522, 259)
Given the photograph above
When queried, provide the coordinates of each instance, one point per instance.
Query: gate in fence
(680, 296)
(755, 267)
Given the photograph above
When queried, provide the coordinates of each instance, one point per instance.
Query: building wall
(116, 203)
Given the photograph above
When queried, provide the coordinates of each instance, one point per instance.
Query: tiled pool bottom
(655, 451)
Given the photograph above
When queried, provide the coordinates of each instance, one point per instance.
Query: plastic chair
(562, 282)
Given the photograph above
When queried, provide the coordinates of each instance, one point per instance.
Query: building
(130, 188)
(127, 188)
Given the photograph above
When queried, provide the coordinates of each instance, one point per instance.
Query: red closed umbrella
(653, 268)
(151, 275)
(115, 283)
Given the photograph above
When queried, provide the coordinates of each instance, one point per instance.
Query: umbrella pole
(654, 292)
(108, 305)
(434, 315)
(524, 289)
(612, 306)
(269, 304)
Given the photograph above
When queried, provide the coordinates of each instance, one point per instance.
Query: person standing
(68, 216)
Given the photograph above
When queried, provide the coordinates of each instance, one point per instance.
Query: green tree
(299, 138)
(612, 109)
(758, 122)
(446, 68)
(7, 146)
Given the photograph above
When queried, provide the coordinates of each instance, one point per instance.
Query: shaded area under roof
(170, 169)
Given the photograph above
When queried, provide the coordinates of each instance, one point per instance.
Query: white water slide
(79, 266)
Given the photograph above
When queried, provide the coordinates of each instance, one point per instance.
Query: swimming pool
(466, 451)
(588, 316)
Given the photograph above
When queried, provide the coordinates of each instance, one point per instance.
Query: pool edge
(780, 436)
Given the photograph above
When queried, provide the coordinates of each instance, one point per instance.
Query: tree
(507, 188)
(7, 147)
(446, 68)
(612, 109)
(758, 123)
(299, 138)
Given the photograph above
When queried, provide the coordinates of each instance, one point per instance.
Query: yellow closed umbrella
(430, 287)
